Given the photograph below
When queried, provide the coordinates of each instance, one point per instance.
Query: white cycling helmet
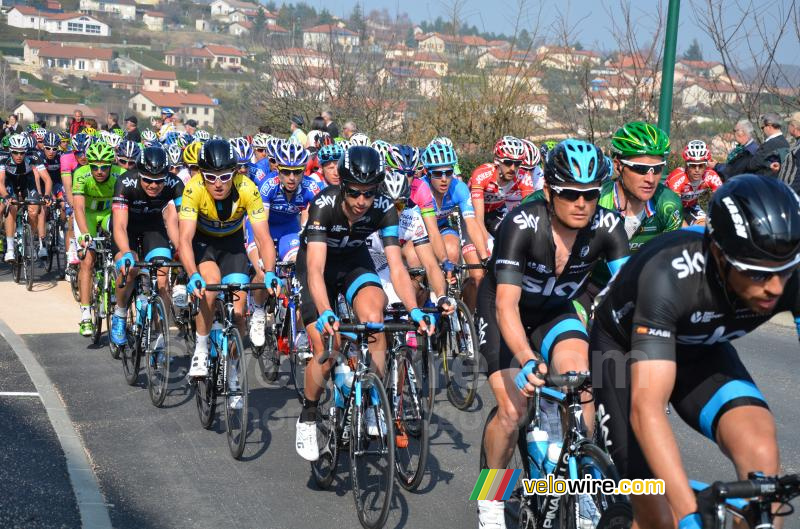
(261, 140)
(696, 151)
(395, 186)
(359, 138)
(18, 142)
(174, 155)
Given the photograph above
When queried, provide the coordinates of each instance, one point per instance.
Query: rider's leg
(503, 429)
(470, 289)
(368, 305)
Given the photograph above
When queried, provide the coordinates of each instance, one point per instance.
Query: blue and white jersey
(457, 196)
(282, 209)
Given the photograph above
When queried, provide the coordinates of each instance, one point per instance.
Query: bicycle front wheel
(158, 357)
(29, 256)
(411, 420)
(324, 468)
(372, 453)
(131, 353)
(236, 412)
(98, 300)
(459, 349)
(110, 305)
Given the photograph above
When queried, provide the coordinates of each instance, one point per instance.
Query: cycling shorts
(93, 220)
(545, 329)
(228, 252)
(710, 380)
(466, 243)
(345, 275)
(148, 244)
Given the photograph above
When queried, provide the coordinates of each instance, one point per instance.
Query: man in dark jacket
(774, 148)
(745, 148)
(132, 129)
(790, 168)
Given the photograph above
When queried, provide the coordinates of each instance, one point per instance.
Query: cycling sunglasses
(152, 180)
(212, 178)
(509, 163)
(643, 168)
(287, 172)
(50, 148)
(572, 194)
(126, 162)
(447, 173)
(99, 167)
(355, 193)
(18, 153)
(697, 165)
(259, 149)
(326, 158)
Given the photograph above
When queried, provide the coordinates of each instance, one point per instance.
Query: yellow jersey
(197, 204)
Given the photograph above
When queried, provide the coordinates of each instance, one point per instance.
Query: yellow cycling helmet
(90, 131)
(191, 152)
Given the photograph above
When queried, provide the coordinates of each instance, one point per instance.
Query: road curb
(784, 319)
(91, 504)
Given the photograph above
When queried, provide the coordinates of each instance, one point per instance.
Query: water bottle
(553, 453)
(537, 449)
(216, 335)
(342, 378)
(179, 297)
(141, 304)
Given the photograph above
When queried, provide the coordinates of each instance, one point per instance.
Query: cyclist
(64, 145)
(71, 162)
(92, 191)
(542, 257)
(499, 186)
(530, 164)
(333, 259)
(149, 138)
(260, 148)
(20, 174)
(144, 206)
(328, 158)
(190, 154)
(210, 241)
(450, 193)
(286, 198)
(693, 180)
(669, 320)
(50, 161)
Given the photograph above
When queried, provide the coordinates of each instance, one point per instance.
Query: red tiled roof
(159, 74)
(157, 14)
(114, 78)
(217, 49)
(275, 28)
(700, 65)
(57, 51)
(422, 56)
(190, 52)
(61, 109)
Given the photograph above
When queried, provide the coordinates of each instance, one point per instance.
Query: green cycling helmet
(639, 138)
(119, 132)
(100, 152)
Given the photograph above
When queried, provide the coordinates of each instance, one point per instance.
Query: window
(74, 27)
(163, 83)
(144, 107)
(93, 28)
(81, 64)
(152, 108)
(206, 111)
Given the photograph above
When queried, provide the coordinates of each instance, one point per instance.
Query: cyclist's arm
(170, 214)
(44, 176)
(399, 276)
(475, 233)
(186, 231)
(478, 204)
(434, 273)
(3, 190)
(437, 242)
(66, 179)
(79, 207)
(264, 243)
(119, 220)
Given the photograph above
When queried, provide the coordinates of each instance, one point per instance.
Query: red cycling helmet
(509, 148)
(696, 151)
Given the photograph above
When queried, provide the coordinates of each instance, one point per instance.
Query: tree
(325, 17)
(9, 88)
(523, 40)
(693, 52)
(411, 42)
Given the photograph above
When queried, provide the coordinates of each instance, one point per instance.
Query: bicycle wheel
(158, 359)
(51, 237)
(132, 353)
(98, 301)
(110, 304)
(372, 465)
(268, 355)
(459, 353)
(29, 257)
(587, 510)
(236, 419)
(205, 395)
(16, 270)
(519, 512)
(324, 468)
(411, 421)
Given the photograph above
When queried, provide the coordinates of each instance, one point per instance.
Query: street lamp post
(668, 68)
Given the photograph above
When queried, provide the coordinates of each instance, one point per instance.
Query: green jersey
(97, 195)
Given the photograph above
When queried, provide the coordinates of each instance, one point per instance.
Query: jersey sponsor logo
(650, 331)
(687, 265)
(526, 221)
(704, 317)
(337, 228)
(482, 326)
(584, 251)
(129, 182)
(383, 203)
(719, 335)
(549, 287)
(507, 262)
(604, 418)
(345, 242)
(324, 200)
(605, 219)
(736, 217)
(539, 267)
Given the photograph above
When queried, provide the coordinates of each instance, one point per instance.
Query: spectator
(112, 121)
(132, 129)
(265, 129)
(297, 132)
(190, 126)
(167, 122)
(12, 126)
(790, 169)
(77, 123)
(330, 127)
(91, 122)
(774, 148)
(318, 124)
(349, 129)
(42, 123)
(745, 148)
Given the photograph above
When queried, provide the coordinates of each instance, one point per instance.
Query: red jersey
(679, 182)
(483, 184)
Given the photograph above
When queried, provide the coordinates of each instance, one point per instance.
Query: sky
(592, 21)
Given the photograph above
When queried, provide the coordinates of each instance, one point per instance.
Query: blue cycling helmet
(404, 158)
(242, 150)
(81, 142)
(129, 149)
(273, 146)
(51, 140)
(575, 162)
(609, 168)
(330, 153)
(439, 155)
(171, 138)
(185, 139)
(291, 155)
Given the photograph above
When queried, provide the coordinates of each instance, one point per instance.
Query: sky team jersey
(689, 191)
(327, 223)
(484, 184)
(144, 210)
(457, 196)
(97, 195)
(524, 254)
(282, 209)
(52, 166)
(421, 196)
(225, 217)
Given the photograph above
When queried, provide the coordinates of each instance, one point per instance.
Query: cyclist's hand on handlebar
(531, 375)
(446, 304)
(196, 285)
(272, 282)
(86, 240)
(485, 262)
(125, 262)
(324, 326)
(449, 268)
(425, 324)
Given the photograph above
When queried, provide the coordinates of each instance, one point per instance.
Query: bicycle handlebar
(235, 287)
(366, 328)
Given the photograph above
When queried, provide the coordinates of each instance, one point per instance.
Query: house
(430, 42)
(57, 115)
(496, 57)
(150, 3)
(299, 57)
(241, 28)
(706, 93)
(430, 61)
(399, 52)
(209, 56)
(199, 107)
(116, 81)
(320, 83)
(328, 36)
(159, 81)
(80, 59)
(509, 77)
(62, 23)
(423, 82)
(153, 20)
(567, 58)
(122, 9)
(222, 8)
(707, 69)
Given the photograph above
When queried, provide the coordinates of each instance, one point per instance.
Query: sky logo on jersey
(325, 200)
(383, 203)
(607, 219)
(717, 336)
(704, 317)
(687, 265)
(526, 221)
(736, 217)
(495, 484)
(129, 182)
(649, 331)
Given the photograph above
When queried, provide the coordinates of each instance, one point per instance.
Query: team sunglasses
(761, 274)
(445, 173)
(152, 179)
(99, 166)
(509, 163)
(355, 193)
(571, 194)
(644, 168)
(212, 178)
(297, 171)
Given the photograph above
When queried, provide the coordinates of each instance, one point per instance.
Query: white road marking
(19, 393)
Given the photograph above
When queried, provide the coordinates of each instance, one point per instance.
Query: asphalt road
(160, 468)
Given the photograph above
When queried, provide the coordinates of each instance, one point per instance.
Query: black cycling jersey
(144, 211)
(53, 166)
(19, 177)
(525, 253)
(328, 223)
(672, 294)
